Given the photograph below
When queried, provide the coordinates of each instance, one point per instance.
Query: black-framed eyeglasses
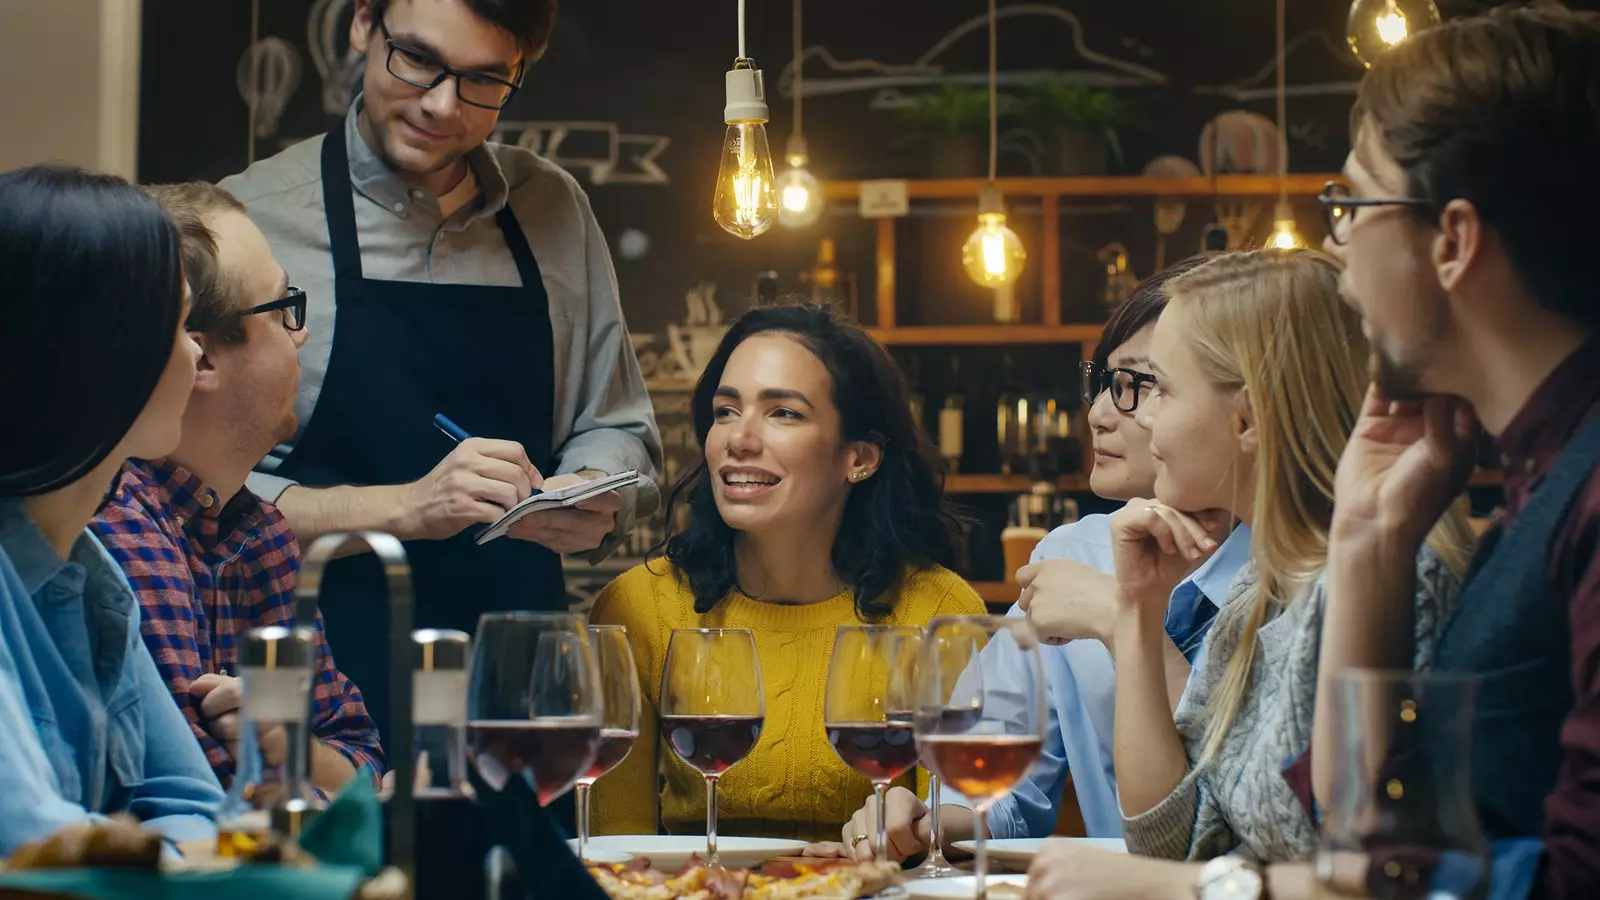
(1125, 385)
(424, 70)
(1339, 208)
(293, 305)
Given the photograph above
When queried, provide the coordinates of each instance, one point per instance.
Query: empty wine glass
(619, 725)
(980, 726)
(534, 701)
(712, 706)
(1401, 823)
(870, 705)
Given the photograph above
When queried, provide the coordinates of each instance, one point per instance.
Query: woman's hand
(1156, 546)
(1064, 870)
(1066, 600)
(908, 829)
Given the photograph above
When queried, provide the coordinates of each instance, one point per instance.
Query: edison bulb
(799, 192)
(1285, 236)
(746, 203)
(993, 255)
(1376, 25)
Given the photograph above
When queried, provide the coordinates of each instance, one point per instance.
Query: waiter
(452, 276)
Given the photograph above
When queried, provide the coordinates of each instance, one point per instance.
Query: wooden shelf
(973, 335)
(1097, 186)
(1007, 484)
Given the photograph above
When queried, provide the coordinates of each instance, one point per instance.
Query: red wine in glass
(981, 766)
(614, 746)
(712, 744)
(882, 751)
(555, 751)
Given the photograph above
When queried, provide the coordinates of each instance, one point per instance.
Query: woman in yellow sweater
(818, 504)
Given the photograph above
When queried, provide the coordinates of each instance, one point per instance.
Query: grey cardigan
(1239, 801)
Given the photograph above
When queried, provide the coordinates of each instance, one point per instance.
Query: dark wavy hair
(895, 520)
(91, 286)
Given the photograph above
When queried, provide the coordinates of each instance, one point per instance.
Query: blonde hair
(1271, 323)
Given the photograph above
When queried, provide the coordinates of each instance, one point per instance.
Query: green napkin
(243, 883)
(346, 839)
(350, 831)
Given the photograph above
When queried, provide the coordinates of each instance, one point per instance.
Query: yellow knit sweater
(792, 785)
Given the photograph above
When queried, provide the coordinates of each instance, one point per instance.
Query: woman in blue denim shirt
(96, 367)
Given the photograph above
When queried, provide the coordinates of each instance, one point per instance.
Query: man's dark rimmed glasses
(424, 70)
(1339, 208)
(293, 305)
(1125, 385)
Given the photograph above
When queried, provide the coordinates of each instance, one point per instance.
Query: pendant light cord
(741, 30)
(994, 108)
(799, 81)
(252, 80)
(1283, 104)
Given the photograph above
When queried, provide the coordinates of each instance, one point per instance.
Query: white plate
(960, 886)
(594, 854)
(669, 853)
(1016, 853)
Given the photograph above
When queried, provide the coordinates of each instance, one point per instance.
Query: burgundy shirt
(1531, 445)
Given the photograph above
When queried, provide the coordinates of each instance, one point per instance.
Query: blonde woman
(1261, 369)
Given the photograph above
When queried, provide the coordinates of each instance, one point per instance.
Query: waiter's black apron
(402, 352)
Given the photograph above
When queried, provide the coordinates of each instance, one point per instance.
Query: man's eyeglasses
(1125, 385)
(293, 305)
(424, 70)
(1339, 208)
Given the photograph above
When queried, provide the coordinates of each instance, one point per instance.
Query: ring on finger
(857, 840)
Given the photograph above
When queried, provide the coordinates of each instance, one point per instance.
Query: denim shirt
(89, 728)
(1080, 684)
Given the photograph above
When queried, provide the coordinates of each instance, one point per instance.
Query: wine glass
(1401, 821)
(534, 701)
(712, 706)
(619, 726)
(980, 714)
(870, 705)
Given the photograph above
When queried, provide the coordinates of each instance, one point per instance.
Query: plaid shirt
(204, 573)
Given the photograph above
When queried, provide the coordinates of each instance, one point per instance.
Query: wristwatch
(1231, 877)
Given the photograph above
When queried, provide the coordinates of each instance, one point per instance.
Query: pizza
(819, 880)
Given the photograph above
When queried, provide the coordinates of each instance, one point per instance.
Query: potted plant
(1078, 124)
(954, 123)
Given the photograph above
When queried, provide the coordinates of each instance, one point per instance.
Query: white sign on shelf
(884, 199)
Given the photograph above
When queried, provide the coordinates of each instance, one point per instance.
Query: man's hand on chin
(575, 529)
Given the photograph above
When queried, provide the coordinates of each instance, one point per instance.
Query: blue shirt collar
(90, 570)
(1213, 579)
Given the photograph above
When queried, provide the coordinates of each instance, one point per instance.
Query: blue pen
(450, 428)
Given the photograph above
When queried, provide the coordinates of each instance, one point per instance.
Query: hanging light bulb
(1285, 236)
(1377, 25)
(799, 193)
(746, 203)
(993, 254)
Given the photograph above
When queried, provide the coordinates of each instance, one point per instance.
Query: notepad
(557, 499)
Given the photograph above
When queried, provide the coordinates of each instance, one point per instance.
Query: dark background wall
(653, 69)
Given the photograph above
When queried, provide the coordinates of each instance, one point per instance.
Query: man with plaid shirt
(207, 558)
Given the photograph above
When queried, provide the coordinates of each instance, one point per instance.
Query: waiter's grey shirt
(602, 417)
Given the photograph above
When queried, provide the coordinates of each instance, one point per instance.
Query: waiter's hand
(576, 529)
(475, 484)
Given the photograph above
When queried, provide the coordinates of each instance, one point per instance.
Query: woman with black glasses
(1067, 594)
